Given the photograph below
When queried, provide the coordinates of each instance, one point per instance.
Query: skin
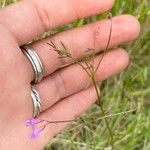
(64, 94)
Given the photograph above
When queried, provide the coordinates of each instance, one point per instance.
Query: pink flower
(31, 122)
(35, 133)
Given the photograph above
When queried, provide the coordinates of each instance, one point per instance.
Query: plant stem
(102, 110)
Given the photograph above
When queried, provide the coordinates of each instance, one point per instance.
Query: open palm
(62, 91)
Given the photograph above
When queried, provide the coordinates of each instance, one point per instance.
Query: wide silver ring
(36, 102)
(35, 62)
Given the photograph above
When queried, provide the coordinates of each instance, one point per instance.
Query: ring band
(35, 61)
(36, 102)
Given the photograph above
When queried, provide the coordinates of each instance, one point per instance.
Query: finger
(125, 28)
(67, 109)
(73, 79)
(29, 18)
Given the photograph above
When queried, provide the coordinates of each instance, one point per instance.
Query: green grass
(126, 97)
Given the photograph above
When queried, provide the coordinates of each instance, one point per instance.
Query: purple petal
(31, 122)
(35, 133)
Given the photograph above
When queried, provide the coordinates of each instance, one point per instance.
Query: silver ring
(36, 102)
(35, 61)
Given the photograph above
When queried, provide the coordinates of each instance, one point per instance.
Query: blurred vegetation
(126, 96)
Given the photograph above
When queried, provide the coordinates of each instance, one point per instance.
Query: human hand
(62, 92)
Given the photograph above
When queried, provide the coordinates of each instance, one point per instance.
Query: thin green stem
(77, 62)
(107, 46)
(103, 111)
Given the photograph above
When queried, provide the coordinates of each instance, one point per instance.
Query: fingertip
(107, 5)
(111, 3)
(123, 58)
(136, 27)
(130, 26)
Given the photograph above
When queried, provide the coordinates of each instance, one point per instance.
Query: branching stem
(91, 71)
